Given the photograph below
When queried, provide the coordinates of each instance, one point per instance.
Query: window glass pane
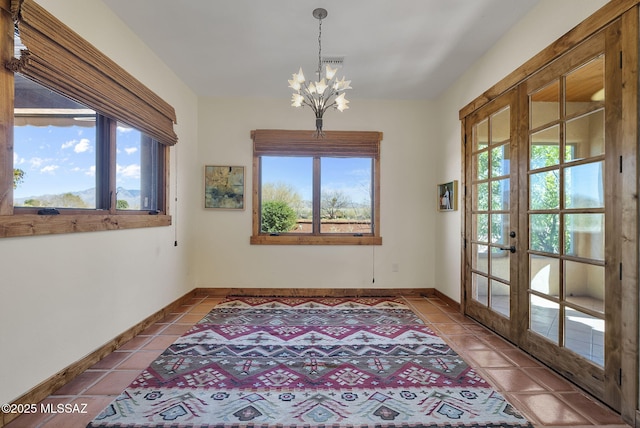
(500, 126)
(544, 149)
(584, 186)
(545, 105)
(584, 235)
(128, 169)
(500, 299)
(544, 233)
(345, 195)
(500, 161)
(54, 149)
(544, 318)
(584, 284)
(286, 194)
(544, 190)
(585, 136)
(544, 275)
(584, 335)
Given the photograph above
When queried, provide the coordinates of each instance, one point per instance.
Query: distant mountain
(132, 196)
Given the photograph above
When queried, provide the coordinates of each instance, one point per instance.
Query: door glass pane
(585, 136)
(544, 233)
(545, 105)
(500, 263)
(584, 235)
(544, 275)
(481, 227)
(501, 126)
(585, 87)
(584, 284)
(584, 186)
(544, 317)
(480, 254)
(544, 149)
(481, 135)
(500, 229)
(544, 190)
(479, 289)
(481, 164)
(500, 195)
(584, 335)
(345, 195)
(500, 298)
(481, 199)
(500, 161)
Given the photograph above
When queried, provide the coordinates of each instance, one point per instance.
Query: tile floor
(543, 397)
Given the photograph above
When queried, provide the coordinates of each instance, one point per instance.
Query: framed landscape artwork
(448, 196)
(224, 187)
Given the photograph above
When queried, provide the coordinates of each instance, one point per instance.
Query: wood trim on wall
(315, 292)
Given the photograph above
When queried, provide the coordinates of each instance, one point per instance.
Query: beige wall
(224, 257)
(63, 296)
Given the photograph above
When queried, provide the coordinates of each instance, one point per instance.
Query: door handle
(511, 248)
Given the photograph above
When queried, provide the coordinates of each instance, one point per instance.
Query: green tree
(277, 217)
(18, 177)
(333, 204)
(121, 204)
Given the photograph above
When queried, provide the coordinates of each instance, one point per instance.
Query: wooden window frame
(270, 142)
(111, 91)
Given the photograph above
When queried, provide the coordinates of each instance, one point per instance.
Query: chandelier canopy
(324, 93)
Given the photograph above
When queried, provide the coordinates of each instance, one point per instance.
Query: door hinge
(620, 60)
(620, 273)
(620, 164)
(465, 243)
(620, 377)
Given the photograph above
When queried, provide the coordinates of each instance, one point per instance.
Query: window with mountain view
(62, 156)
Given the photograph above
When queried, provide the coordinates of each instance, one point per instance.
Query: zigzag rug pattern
(309, 362)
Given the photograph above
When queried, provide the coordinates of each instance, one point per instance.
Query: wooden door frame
(627, 195)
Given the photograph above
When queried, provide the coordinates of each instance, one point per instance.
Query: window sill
(315, 240)
(33, 224)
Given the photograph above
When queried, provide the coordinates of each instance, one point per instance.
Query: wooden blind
(304, 143)
(61, 60)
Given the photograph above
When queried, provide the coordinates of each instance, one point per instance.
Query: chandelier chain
(319, 48)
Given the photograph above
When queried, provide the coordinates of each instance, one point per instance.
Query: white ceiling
(393, 49)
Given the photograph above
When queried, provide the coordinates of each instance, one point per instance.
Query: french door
(543, 173)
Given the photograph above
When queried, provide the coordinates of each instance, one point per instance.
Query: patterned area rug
(309, 362)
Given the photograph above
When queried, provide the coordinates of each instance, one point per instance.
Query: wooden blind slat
(60, 59)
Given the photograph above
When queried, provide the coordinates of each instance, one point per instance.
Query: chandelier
(324, 93)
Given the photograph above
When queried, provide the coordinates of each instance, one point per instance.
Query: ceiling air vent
(333, 61)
